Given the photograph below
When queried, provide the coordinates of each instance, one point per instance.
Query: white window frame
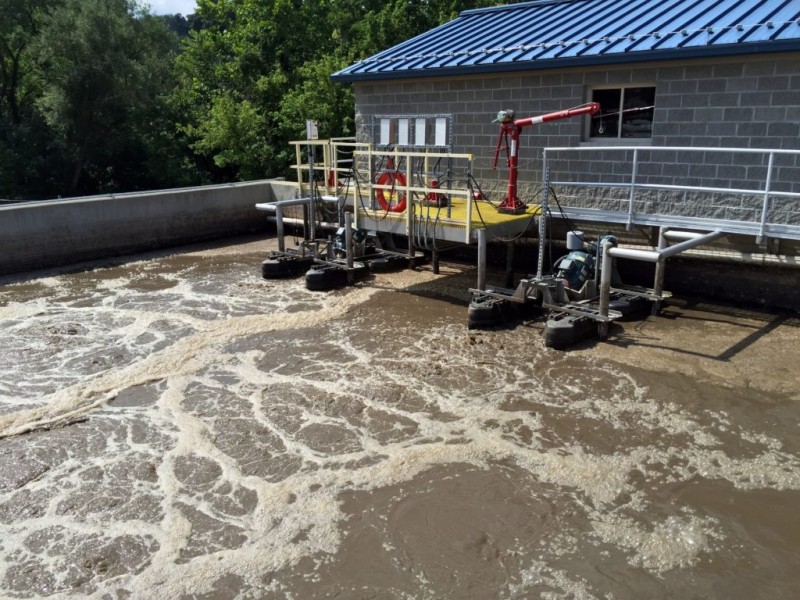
(618, 140)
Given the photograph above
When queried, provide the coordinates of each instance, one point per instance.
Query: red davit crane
(512, 204)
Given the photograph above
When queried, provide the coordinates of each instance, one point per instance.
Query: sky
(170, 7)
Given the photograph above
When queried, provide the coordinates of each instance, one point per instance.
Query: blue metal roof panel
(551, 33)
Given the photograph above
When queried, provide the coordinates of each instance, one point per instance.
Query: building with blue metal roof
(564, 33)
(667, 73)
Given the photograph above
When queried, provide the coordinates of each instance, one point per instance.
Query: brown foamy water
(177, 427)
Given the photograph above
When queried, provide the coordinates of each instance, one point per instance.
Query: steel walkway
(762, 210)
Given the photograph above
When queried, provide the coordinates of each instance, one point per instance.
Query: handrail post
(409, 202)
(658, 283)
(632, 194)
(605, 288)
(765, 205)
(470, 200)
(348, 237)
(543, 224)
(298, 169)
(279, 228)
(371, 180)
(482, 259)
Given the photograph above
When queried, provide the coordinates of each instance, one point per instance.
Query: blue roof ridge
(504, 7)
(546, 45)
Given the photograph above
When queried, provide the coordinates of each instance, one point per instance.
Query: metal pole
(509, 264)
(689, 244)
(605, 289)
(658, 283)
(279, 228)
(372, 179)
(632, 194)
(542, 222)
(348, 238)
(299, 168)
(435, 259)
(306, 211)
(312, 208)
(409, 202)
(470, 200)
(481, 259)
(448, 198)
(765, 206)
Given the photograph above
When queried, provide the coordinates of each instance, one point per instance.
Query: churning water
(178, 427)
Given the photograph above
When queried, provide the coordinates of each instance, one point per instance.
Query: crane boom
(511, 127)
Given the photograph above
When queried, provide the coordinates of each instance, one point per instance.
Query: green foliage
(260, 68)
(100, 95)
(105, 65)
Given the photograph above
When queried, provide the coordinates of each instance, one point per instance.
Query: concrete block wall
(742, 102)
(41, 235)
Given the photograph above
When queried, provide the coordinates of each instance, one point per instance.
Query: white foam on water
(539, 574)
(677, 541)
(185, 356)
(341, 413)
(23, 310)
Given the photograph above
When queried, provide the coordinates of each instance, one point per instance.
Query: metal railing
(763, 188)
(419, 180)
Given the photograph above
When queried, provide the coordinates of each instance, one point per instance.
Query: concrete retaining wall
(39, 235)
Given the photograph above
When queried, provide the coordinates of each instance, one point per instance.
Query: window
(413, 131)
(624, 113)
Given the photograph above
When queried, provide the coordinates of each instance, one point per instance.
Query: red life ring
(392, 200)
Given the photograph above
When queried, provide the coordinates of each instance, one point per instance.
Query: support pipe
(279, 220)
(655, 256)
(605, 287)
(482, 259)
(279, 228)
(348, 237)
(509, 264)
(658, 283)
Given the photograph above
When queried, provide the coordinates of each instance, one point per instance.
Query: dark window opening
(624, 113)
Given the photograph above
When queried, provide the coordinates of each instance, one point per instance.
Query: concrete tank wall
(40, 235)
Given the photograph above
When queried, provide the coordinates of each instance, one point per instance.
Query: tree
(25, 150)
(104, 65)
(259, 68)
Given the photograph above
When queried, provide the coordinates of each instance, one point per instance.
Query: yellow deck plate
(484, 214)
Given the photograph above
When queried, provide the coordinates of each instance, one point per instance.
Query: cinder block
(785, 129)
(742, 84)
(724, 99)
(759, 68)
(680, 115)
(751, 129)
(776, 83)
(755, 99)
(787, 66)
(705, 86)
(683, 86)
(668, 100)
(728, 70)
(694, 100)
(729, 172)
(720, 129)
(695, 71)
(739, 115)
(784, 98)
(668, 73)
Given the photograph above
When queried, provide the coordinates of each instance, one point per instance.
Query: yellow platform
(456, 224)
(377, 177)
